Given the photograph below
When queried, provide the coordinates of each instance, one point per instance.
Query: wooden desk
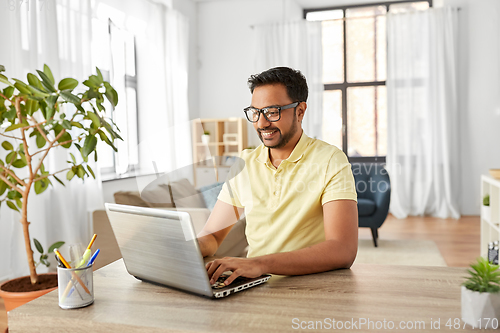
(374, 292)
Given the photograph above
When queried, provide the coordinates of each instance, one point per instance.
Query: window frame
(345, 85)
(110, 173)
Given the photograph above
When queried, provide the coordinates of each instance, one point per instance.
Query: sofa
(178, 195)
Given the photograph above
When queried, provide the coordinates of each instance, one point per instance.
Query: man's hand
(247, 267)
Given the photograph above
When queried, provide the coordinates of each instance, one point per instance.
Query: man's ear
(301, 110)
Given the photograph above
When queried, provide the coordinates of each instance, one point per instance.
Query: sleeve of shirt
(229, 192)
(339, 180)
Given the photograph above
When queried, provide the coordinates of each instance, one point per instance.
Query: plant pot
(205, 139)
(486, 213)
(479, 309)
(13, 300)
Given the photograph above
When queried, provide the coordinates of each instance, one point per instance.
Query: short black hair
(293, 80)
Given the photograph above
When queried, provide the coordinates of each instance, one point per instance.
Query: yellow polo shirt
(283, 206)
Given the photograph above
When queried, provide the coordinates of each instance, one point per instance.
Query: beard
(283, 138)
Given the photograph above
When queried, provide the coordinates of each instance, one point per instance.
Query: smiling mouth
(266, 134)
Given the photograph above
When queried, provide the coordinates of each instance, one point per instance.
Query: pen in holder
(81, 280)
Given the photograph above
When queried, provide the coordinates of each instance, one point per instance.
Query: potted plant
(205, 138)
(481, 295)
(485, 209)
(36, 118)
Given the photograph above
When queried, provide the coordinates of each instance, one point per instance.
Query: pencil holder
(75, 286)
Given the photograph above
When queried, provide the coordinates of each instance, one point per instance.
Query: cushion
(130, 198)
(210, 194)
(158, 196)
(366, 207)
(185, 195)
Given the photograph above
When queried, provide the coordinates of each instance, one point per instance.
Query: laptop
(160, 246)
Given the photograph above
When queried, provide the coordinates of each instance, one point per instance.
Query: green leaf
(40, 141)
(88, 83)
(41, 185)
(68, 84)
(3, 187)
(7, 145)
(89, 145)
(99, 75)
(91, 171)
(54, 246)
(70, 174)
(23, 88)
(76, 124)
(16, 126)
(19, 163)
(95, 119)
(48, 72)
(47, 82)
(111, 94)
(37, 92)
(31, 106)
(80, 172)
(13, 194)
(73, 158)
(51, 101)
(65, 137)
(2, 68)
(66, 124)
(35, 82)
(11, 157)
(60, 182)
(69, 97)
(5, 80)
(38, 245)
(8, 91)
(12, 206)
(19, 203)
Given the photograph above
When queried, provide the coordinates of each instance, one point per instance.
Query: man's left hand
(247, 267)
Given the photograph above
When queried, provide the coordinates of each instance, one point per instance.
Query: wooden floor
(458, 240)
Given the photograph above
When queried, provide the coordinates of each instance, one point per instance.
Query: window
(116, 60)
(354, 74)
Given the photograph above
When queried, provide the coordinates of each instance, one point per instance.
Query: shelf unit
(490, 218)
(212, 161)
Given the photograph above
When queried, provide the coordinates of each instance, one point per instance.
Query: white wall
(226, 60)
(226, 52)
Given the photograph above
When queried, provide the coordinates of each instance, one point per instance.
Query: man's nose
(263, 122)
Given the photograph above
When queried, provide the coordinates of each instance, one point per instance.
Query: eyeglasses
(271, 113)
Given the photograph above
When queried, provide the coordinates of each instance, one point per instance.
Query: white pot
(205, 139)
(480, 309)
(486, 213)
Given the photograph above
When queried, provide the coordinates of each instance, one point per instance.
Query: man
(297, 193)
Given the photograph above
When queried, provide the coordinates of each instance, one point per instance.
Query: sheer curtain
(56, 33)
(423, 142)
(297, 45)
(162, 62)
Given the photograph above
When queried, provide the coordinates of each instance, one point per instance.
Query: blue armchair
(374, 195)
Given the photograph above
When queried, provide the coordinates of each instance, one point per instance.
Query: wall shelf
(212, 160)
(490, 216)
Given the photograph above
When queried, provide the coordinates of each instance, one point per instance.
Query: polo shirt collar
(295, 156)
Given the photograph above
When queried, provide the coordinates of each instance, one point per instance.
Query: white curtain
(162, 64)
(56, 33)
(423, 143)
(297, 45)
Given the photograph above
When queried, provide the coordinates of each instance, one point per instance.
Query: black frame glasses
(265, 111)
